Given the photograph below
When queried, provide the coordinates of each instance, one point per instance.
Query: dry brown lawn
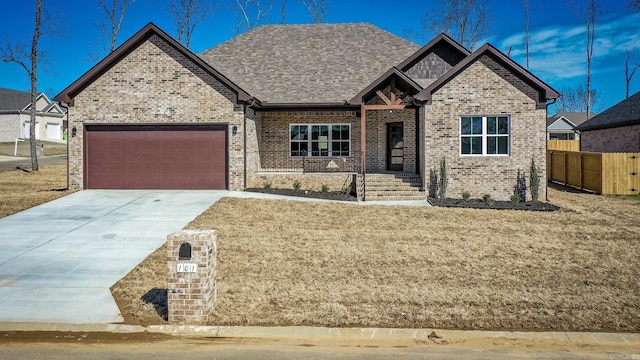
(50, 148)
(20, 190)
(342, 265)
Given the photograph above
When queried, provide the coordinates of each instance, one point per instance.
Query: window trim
(310, 141)
(484, 135)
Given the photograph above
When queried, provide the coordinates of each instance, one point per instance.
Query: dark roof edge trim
(304, 106)
(358, 99)
(549, 92)
(608, 126)
(431, 44)
(123, 50)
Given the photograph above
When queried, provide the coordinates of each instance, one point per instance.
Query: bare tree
(576, 99)
(526, 31)
(466, 21)
(589, 16)
(111, 25)
(250, 13)
(29, 62)
(316, 9)
(282, 11)
(187, 14)
(629, 70)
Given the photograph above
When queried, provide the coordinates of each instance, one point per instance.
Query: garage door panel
(156, 157)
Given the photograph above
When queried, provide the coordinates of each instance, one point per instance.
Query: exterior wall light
(74, 131)
(234, 130)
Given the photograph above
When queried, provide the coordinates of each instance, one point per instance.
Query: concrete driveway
(58, 260)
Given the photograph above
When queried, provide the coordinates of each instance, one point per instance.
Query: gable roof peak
(128, 46)
(546, 91)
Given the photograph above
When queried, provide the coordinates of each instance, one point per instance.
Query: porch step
(393, 186)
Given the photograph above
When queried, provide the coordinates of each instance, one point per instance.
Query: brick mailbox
(191, 288)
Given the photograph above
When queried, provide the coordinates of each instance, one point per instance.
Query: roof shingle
(11, 100)
(317, 63)
(626, 112)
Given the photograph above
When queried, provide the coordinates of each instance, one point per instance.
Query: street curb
(574, 338)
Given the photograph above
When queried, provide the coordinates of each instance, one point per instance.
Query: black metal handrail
(283, 161)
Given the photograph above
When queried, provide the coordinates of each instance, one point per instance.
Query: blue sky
(556, 47)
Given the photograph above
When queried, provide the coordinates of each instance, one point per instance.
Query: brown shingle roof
(317, 63)
(626, 112)
(14, 100)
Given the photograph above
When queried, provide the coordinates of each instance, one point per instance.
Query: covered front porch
(377, 132)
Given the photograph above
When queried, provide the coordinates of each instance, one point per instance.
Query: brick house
(616, 129)
(340, 105)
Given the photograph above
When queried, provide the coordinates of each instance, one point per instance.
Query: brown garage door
(155, 157)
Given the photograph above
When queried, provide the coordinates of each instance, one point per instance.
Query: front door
(395, 146)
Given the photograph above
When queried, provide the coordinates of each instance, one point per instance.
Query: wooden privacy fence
(603, 173)
(564, 145)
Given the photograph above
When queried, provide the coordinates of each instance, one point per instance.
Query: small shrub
(297, 185)
(325, 188)
(487, 198)
(267, 185)
(466, 195)
(515, 198)
(444, 179)
(534, 181)
(346, 190)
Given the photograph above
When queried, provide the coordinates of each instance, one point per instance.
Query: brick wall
(620, 139)
(479, 90)
(314, 181)
(155, 84)
(376, 128)
(191, 291)
(10, 127)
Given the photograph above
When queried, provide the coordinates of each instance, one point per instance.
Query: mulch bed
(497, 205)
(326, 195)
(457, 203)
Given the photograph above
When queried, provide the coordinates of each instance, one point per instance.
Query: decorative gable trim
(377, 84)
(545, 92)
(68, 94)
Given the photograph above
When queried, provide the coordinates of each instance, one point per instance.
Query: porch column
(363, 138)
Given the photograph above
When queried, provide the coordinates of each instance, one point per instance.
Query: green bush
(466, 195)
(267, 185)
(444, 179)
(297, 185)
(515, 198)
(534, 181)
(486, 198)
(325, 188)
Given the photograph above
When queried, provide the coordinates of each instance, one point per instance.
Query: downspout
(546, 149)
(66, 107)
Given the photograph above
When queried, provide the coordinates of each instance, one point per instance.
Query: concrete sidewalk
(59, 259)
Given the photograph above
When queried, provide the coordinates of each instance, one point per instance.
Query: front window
(484, 135)
(320, 140)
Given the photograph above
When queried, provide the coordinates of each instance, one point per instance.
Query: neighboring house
(562, 126)
(322, 104)
(616, 129)
(15, 109)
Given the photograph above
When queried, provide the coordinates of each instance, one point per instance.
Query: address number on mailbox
(186, 267)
